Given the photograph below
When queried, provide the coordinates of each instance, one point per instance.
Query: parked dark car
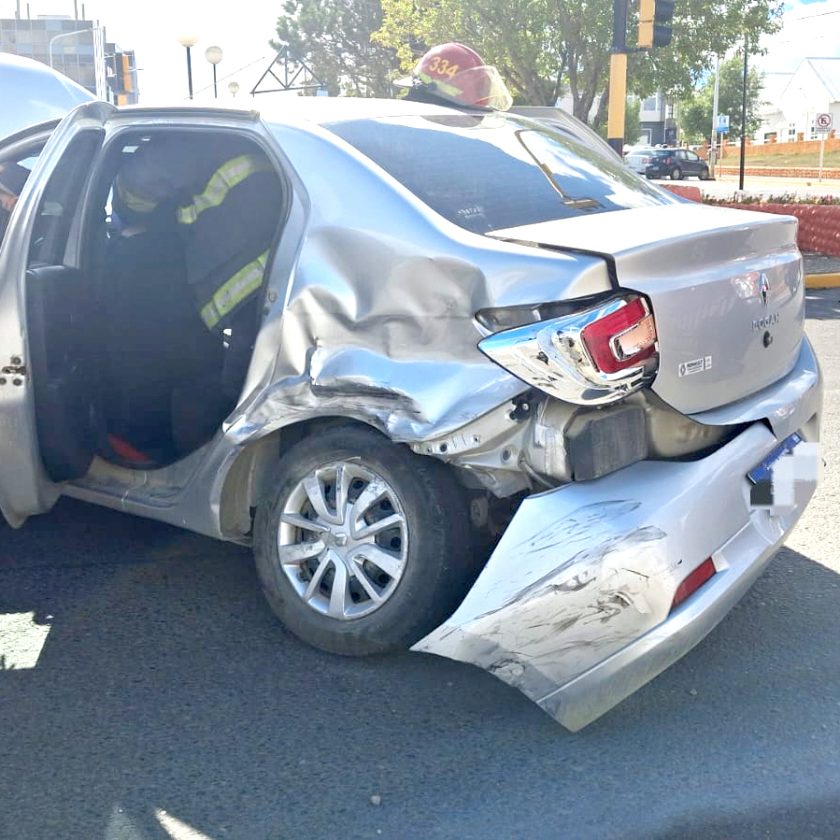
(675, 164)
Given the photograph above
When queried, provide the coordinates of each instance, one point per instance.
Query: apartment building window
(792, 131)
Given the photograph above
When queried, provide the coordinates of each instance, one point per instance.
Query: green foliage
(334, 38)
(632, 123)
(547, 48)
(696, 110)
(544, 49)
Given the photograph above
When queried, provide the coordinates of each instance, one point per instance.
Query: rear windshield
(497, 171)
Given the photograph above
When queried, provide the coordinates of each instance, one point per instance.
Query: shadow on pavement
(812, 820)
(823, 304)
(165, 685)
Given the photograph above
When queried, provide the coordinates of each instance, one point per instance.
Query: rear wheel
(363, 547)
(676, 173)
(704, 173)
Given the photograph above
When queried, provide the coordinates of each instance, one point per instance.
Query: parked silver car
(508, 402)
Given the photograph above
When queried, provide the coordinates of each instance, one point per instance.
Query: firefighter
(221, 200)
(454, 74)
(225, 200)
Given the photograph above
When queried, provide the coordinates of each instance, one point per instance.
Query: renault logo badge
(764, 288)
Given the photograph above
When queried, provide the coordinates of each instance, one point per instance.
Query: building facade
(656, 120)
(78, 48)
(793, 100)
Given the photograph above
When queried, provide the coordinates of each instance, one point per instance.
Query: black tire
(676, 173)
(648, 176)
(439, 560)
(704, 174)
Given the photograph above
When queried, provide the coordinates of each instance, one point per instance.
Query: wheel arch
(253, 472)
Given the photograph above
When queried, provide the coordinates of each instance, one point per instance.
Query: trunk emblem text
(766, 321)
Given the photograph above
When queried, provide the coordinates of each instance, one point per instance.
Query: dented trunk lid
(726, 287)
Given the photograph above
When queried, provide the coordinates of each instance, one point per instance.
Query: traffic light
(127, 71)
(655, 23)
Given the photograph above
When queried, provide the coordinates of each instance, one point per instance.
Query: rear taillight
(694, 581)
(591, 357)
(623, 339)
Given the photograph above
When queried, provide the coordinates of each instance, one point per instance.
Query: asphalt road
(167, 703)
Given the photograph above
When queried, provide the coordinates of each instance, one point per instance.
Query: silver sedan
(507, 402)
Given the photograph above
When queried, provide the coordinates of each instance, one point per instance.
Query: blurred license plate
(763, 472)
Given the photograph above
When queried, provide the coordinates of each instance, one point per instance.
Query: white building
(792, 100)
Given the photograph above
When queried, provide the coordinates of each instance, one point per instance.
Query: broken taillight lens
(622, 339)
(594, 355)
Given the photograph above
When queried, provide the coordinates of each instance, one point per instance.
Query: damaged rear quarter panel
(374, 318)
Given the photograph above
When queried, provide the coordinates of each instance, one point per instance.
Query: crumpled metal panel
(373, 316)
(584, 571)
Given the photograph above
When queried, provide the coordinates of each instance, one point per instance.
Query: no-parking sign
(823, 122)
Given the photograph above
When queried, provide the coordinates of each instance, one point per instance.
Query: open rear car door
(46, 354)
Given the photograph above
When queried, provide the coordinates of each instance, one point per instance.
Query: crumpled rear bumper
(574, 606)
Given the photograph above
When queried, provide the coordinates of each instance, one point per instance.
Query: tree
(334, 38)
(545, 48)
(696, 110)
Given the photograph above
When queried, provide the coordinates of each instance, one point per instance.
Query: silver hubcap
(343, 540)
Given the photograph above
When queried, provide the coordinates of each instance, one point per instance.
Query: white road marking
(177, 829)
(21, 641)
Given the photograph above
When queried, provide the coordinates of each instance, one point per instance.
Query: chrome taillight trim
(551, 355)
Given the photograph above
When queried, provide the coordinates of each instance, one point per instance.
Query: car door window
(60, 200)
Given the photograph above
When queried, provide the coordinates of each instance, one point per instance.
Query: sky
(811, 30)
(242, 28)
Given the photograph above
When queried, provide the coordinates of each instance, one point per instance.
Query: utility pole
(743, 118)
(715, 102)
(618, 78)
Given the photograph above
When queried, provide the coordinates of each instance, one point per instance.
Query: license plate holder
(763, 472)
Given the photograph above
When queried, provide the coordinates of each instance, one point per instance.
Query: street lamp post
(214, 56)
(233, 87)
(188, 42)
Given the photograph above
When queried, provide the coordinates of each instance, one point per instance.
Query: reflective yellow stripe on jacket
(223, 180)
(228, 296)
(133, 201)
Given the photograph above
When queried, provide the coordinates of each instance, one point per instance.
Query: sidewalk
(821, 272)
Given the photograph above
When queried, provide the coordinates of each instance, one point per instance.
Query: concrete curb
(822, 281)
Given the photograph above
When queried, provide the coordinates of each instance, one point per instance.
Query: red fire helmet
(455, 73)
